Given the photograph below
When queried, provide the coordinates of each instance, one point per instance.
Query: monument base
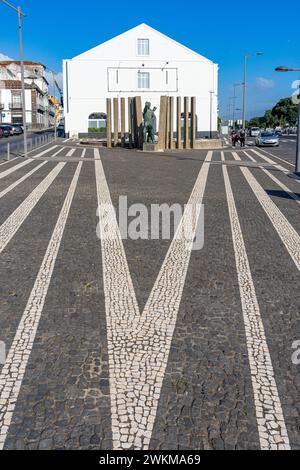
(207, 144)
(147, 147)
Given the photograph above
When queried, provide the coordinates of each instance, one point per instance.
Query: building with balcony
(140, 62)
(36, 94)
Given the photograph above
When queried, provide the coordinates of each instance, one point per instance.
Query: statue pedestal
(147, 147)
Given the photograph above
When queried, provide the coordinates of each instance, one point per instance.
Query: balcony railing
(17, 105)
(40, 107)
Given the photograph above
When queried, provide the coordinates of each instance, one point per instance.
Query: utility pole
(211, 112)
(297, 165)
(20, 18)
(20, 14)
(55, 123)
(234, 102)
(246, 56)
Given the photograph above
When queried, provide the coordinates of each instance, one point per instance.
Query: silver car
(268, 139)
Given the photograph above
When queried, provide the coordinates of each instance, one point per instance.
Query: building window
(97, 122)
(143, 80)
(17, 119)
(143, 47)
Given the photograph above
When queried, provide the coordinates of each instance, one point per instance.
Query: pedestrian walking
(242, 138)
(234, 138)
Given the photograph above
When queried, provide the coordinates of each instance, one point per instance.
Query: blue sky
(219, 30)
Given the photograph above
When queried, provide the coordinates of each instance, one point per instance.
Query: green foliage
(283, 114)
(97, 129)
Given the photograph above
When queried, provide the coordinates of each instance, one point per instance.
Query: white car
(254, 131)
(267, 138)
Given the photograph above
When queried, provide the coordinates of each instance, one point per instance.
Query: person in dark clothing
(234, 138)
(242, 138)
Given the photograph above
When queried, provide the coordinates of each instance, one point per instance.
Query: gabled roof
(144, 26)
(4, 63)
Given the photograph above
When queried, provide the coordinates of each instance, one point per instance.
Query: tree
(285, 112)
(270, 119)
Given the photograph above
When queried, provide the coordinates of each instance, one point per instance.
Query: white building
(39, 112)
(140, 62)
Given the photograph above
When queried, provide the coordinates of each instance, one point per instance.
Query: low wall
(208, 144)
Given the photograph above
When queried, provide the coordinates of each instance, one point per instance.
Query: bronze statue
(149, 123)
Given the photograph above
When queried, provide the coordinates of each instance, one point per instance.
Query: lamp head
(281, 68)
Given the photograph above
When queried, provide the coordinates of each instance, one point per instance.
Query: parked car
(7, 130)
(254, 131)
(61, 130)
(17, 129)
(1, 133)
(267, 138)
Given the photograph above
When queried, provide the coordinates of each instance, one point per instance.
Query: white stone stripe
(8, 172)
(44, 152)
(83, 153)
(9, 228)
(58, 152)
(268, 160)
(271, 426)
(286, 232)
(70, 153)
(14, 369)
(9, 161)
(139, 345)
(96, 154)
(11, 170)
(281, 168)
(277, 181)
(275, 156)
(24, 178)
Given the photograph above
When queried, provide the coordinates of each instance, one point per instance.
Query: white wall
(6, 99)
(92, 77)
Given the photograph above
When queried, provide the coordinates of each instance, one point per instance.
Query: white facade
(141, 62)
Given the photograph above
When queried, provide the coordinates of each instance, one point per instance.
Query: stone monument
(149, 123)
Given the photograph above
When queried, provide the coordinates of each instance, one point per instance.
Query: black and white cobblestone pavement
(147, 344)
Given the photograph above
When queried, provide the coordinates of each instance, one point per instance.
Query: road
(286, 149)
(16, 142)
(148, 344)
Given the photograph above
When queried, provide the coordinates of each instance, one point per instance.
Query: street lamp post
(211, 112)
(297, 166)
(54, 93)
(234, 101)
(246, 56)
(20, 17)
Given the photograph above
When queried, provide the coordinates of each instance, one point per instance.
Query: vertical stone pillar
(167, 139)
(193, 122)
(171, 119)
(130, 119)
(108, 122)
(179, 141)
(138, 122)
(162, 122)
(123, 122)
(186, 136)
(116, 122)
